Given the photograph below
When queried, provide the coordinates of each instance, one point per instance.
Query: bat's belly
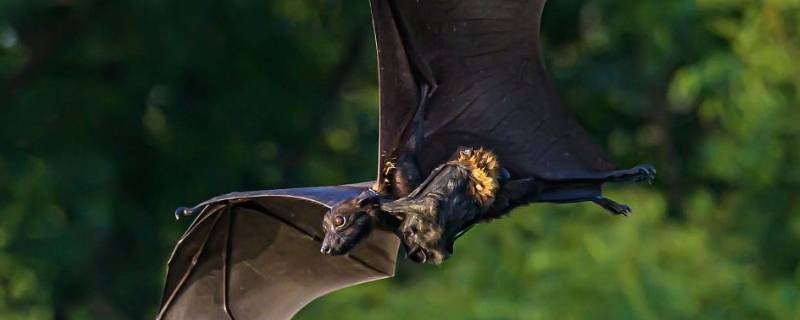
(453, 198)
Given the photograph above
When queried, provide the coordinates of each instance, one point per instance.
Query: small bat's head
(349, 222)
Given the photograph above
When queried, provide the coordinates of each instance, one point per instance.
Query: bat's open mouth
(417, 254)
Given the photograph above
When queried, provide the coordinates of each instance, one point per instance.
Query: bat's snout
(326, 249)
(331, 251)
(331, 246)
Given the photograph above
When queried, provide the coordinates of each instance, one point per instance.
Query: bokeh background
(115, 112)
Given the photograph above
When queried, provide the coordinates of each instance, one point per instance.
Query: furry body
(454, 197)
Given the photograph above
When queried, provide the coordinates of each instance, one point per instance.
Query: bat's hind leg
(586, 187)
(641, 173)
(613, 206)
(406, 173)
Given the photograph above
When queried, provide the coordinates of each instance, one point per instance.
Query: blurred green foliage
(116, 112)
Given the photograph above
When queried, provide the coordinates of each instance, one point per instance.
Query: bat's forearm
(406, 175)
(418, 124)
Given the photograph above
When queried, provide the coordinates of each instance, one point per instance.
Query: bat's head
(349, 222)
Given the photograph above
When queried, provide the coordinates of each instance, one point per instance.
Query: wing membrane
(493, 90)
(257, 256)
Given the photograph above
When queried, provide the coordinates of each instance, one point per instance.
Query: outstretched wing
(493, 90)
(255, 255)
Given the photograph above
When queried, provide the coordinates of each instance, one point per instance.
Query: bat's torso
(454, 197)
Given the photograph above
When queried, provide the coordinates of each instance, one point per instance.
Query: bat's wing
(255, 255)
(397, 83)
(492, 90)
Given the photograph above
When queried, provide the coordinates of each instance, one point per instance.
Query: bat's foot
(641, 173)
(646, 173)
(613, 206)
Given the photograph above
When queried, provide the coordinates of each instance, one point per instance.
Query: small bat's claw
(647, 173)
(614, 207)
(434, 88)
(183, 211)
(626, 210)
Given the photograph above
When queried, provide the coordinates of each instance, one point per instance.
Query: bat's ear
(368, 198)
(461, 151)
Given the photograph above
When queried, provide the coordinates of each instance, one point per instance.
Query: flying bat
(470, 128)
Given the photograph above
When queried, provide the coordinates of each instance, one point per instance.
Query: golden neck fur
(484, 172)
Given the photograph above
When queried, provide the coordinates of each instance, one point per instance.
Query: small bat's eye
(339, 221)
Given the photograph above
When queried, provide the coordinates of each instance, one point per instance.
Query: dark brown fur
(454, 197)
(360, 215)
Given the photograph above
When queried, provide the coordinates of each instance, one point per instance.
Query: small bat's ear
(364, 202)
(504, 175)
(462, 151)
(368, 198)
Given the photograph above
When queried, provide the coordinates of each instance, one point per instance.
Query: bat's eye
(339, 221)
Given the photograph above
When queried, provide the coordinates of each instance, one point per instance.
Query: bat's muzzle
(332, 246)
(326, 249)
(416, 254)
(331, 251)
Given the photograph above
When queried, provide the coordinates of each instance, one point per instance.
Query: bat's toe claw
(625, 210)
(613, 206)
(646, 173)
(621, 209)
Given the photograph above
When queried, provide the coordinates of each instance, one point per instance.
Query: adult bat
(452, 74)
(468, 74)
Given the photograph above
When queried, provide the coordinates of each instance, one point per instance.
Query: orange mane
(484, 172)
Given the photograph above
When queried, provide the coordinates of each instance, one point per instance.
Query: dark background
(116, 112)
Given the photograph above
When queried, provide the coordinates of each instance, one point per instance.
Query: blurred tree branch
(670, 164)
